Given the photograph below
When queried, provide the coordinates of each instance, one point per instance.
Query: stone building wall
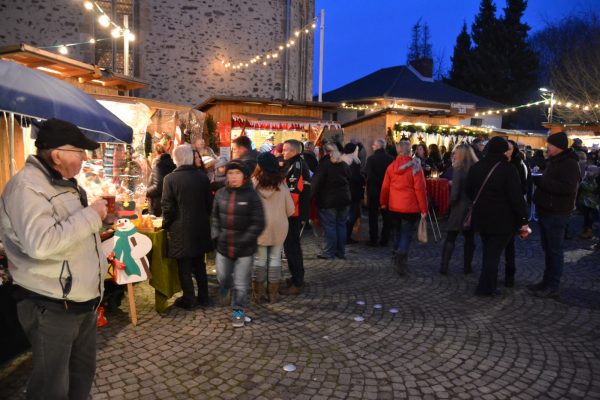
(180, 43)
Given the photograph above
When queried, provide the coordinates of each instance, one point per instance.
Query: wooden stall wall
(222, 112)
(367, 131)
(4, 157)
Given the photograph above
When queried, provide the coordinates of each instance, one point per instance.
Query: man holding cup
(51, 237)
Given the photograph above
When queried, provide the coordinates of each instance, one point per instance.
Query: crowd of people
(253, 209)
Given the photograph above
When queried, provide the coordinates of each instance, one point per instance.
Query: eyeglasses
(74, 150)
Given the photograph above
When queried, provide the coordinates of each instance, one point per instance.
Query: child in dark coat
(237, 221)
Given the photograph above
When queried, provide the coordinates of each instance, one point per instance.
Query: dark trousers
(493, 246)
(374, 211)
(63, 346)
(293, 251)
(353, 215)
(510, 265)
(193, 266)
(552, 230)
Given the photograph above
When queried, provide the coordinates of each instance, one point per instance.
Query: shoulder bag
(466, 225)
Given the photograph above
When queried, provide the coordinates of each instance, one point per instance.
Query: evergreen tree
(521, 61)
(461, 60)
(425, 44)
(414, 51)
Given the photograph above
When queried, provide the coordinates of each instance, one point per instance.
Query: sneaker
(238, 318)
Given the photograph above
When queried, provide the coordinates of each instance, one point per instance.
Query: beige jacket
(42, 224)
(278, 206)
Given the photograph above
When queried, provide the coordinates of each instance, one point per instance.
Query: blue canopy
(31, 93)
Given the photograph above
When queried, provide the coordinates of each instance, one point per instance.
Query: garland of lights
(265, 58)
(439, 129)
(104, 21)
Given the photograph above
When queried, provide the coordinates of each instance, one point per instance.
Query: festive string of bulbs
(555, 102)
(104, 21)
(265, 58)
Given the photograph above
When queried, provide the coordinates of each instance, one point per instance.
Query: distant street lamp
(545, 93)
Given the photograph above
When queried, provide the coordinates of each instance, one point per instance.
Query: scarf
(123, 252)
(415, 163)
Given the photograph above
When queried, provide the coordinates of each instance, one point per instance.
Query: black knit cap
(268, 162)
(497, 145)
(560, 140)
(237, 164)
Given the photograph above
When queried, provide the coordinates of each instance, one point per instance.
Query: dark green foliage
(210, 133)
(461, 59)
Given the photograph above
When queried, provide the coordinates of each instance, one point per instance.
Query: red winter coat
(403, 192)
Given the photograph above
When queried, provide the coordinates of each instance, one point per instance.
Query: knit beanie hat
(559, 140)
(221, 162)
(497, 145)
(349, 148)
(237, 164)
(268, 162)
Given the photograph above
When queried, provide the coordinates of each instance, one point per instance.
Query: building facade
(181, 47)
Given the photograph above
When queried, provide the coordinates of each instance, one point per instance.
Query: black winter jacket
(186, 205)
(501, 208)
(357, 183)
(376, 166)
(557, 188)
(294, 168)
(331, 184)
(163, 166)
(238, 219)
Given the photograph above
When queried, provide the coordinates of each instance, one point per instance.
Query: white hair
(183, 155)
(403, 148)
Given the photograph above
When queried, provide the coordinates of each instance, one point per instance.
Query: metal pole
(126, 45)
(321, 44)
(551, 108)
(11, 143)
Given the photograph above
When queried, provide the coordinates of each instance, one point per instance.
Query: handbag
(422, 230)
(466, 225)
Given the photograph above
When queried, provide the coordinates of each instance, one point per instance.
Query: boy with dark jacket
(237, 221)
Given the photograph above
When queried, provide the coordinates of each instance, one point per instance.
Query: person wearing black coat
(164, 165)
(238, 219)
(357, 187)
(377, 164)
(331, 188)
(510, 265)
(554, 199)
(186, 205)
(499, 212)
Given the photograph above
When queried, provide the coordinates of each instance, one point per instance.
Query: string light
(104, 21)
(556, 102)
(269, 55)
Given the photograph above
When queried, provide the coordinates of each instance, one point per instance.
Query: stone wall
(180, 44)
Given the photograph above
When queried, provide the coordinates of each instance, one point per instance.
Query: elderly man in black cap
(554, 200)
(51, 237)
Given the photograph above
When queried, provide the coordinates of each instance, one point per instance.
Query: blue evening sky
(362, 36)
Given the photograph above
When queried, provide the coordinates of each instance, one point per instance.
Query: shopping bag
(422, 230)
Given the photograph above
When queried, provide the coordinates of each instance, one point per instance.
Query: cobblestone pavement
(443, 342)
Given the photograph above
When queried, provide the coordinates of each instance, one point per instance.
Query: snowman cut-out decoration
(130, 248)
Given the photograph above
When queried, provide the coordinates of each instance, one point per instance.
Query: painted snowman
(130, 249)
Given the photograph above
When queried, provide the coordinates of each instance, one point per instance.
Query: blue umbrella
(31, 93)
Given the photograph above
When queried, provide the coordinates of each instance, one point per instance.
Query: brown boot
(258, 289)
(273, 289)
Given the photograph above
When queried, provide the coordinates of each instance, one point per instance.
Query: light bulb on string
(104, 20)
(92, 41)
(297, 33)
(313, 25)
(306, 31)
(130, 36)
(264, 63)
(116, 33)
(88, 5)
(63, 50)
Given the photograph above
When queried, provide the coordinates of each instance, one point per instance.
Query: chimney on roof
(424, 66)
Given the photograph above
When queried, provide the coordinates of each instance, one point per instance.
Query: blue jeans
(235, 275)
(267, 263)
(334, 224)
(552, 232)
(403, 226)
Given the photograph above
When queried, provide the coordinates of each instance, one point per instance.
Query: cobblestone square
(443, 342)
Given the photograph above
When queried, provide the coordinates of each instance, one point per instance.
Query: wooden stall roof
(63, 67)
(396, 111)
(214, 100)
